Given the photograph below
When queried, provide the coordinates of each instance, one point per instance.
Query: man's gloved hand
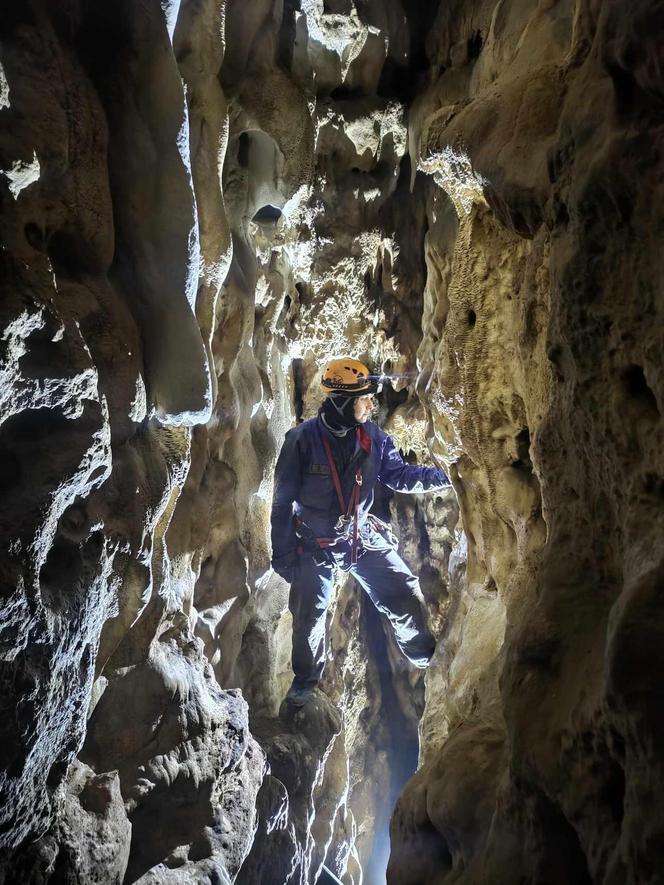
(287, 565)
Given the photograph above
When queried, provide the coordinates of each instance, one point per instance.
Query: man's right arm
(286, 491)
(399, 476)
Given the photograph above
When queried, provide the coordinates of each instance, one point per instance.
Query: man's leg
(308, 602)
(395, 591)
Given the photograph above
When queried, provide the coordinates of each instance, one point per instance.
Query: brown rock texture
(200, 202)
(105, 369)
(183, 198)
(542, 344)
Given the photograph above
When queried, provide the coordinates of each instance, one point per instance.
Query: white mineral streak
(68, 394)
(22, 173)
(452, 170)
(4, 90)
(170, 8)
(139, 407)
(343, 35)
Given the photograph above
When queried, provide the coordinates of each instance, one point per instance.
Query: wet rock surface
(201, 201)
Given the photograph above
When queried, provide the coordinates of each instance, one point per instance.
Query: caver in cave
(321, 519)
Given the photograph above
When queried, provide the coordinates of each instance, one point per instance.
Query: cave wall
(201, 202)
(314, 181)
(542, 345)
(114, 250)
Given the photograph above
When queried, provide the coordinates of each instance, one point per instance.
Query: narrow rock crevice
(202, 202)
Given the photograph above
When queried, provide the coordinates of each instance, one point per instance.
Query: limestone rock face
(198, 205)
(105, 367)
(542, 345)
(185, 759)
(203, 200)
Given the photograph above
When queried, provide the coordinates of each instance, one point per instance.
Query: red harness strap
(349, 512)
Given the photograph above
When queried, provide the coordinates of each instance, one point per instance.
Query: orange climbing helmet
(349, 376)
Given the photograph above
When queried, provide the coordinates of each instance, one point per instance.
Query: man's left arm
(402, 477)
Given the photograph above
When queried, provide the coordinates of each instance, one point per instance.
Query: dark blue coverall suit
(304, 489)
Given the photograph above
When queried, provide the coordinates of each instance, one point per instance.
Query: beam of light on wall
(22, 174)
(264, 491)
(453, 171)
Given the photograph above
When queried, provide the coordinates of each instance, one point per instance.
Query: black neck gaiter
(338, 414)
(339, 418)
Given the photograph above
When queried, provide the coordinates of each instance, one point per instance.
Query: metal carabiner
(343, 524)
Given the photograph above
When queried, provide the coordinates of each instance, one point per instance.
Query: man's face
(362, 407)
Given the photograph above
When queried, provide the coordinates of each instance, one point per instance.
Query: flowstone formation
(201, 202)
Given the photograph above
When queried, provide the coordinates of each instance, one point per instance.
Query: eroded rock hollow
(202, 201)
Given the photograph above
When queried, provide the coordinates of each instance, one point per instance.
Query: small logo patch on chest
(318, 469)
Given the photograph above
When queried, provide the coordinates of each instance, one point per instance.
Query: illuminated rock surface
(201, 201)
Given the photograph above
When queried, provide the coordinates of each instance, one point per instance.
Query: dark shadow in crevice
(287, 34)
(299, 389)
(613, 791)
(346, 92)
(268, 214)
(565, 861)
(243, 142)
(637, 392)
(475, 43)
(523, 461)
(404, 81)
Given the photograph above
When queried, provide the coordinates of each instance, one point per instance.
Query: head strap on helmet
(349, 376)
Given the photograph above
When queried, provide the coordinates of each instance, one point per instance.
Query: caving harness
(347, 525)
(348, 514)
